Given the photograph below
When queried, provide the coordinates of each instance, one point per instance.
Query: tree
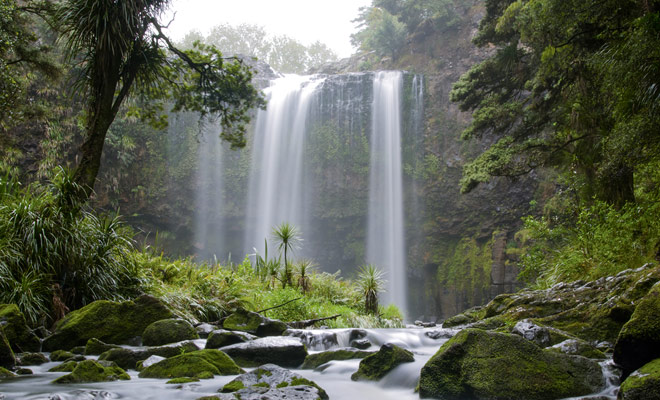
(120, 49)
(552, 93)
(289, 238)
(379, 31)
(281, 52)
(370, 280)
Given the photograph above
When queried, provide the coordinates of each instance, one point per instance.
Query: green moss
(243, 320)
(481, 364)
(33, 359)
(18, 333)
(92, 371)
(127, 358)
(5, 373)
(61, 355)
(168, 331)
(192, 364)
(67, 366)
(282, 384)
(108, 321)
(96, 347)
(233, 386)
(644, 384)
(377, 365)
(204, 375)
(182, 380)
(314, 360)
(7, 356)
(261, 384)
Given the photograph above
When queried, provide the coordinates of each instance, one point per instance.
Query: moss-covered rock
(109, 321)
(643, 384)
(179, 381)
(377, 365)
(67, 366)
(7, 356)
(96, 347)
(193, 365)
(639, 340)
(92, 371)
(221, 338)
(314, 360)
(26, 359)
(472, 315)
(128, 358)
(243, 320)
(5, 373)
(24, 371)
(477, 364)
(269, 380)
(578, 347)
(283, 351)
(18, 333)
(168, 331)
(61, 355)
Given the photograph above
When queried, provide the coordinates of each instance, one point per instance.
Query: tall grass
(56, 255)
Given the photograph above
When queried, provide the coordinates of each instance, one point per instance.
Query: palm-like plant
(289, 238)
(371, 282)
(304, 269)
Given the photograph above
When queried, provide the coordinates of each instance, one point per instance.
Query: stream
(334, 376)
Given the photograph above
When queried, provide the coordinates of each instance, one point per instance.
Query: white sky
(328, 21)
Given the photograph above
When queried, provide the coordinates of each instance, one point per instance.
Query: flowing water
(333, 377)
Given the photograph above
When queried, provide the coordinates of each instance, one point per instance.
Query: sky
(328, 21)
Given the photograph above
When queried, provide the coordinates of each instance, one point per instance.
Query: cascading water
(385, 235)
(277, 181)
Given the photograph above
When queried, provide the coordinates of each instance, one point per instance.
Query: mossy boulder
(377, 365)
(180, 381)
(286, 352)
(269, 381)
(18, 333)
(472, 315)
(92, 371)
(477, 364)
(24, 371)
(96, 347)
(221, 338)
(61, 355)
(67, 366)
(643, 384)
(108, 321)
(193, 365)
(639, 340)
(168, 331)
(314, 360)
(26, 359)
(253, 323)
(128, 358)
(7, 356)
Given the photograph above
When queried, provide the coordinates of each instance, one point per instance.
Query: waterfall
(277, 181)
(385, 228)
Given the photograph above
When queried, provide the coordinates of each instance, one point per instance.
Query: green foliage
(55, 256)
(379, 31)
(466, 267)
(601, 241)
(572, 85)
(289, 238)
(371, 282)
(283, 53)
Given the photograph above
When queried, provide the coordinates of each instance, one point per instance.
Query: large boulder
(197, 364)
(643, 384)
(221, 338)
(314, 360)
(639, 340)
(96, 347)
(93, 371)
(253, 323)
(168, 331)
(283, 351)
(128, 358)
(19, 335)
(477, 364)
(377, 365)
(272, 382)
(109, 321)
(27, 359)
